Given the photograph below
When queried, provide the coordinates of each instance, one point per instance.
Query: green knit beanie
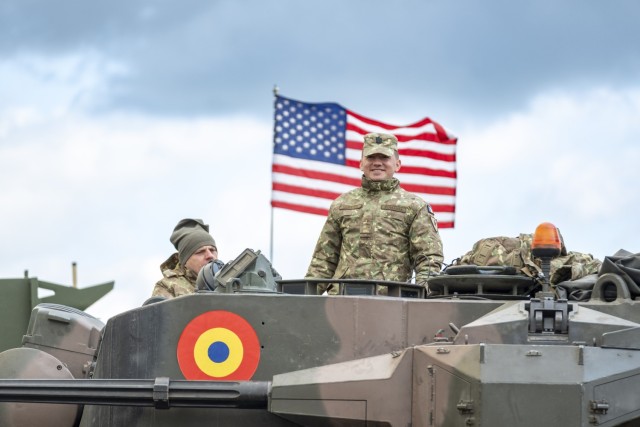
(189, 236)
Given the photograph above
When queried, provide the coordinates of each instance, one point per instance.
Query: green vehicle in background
(19, 296)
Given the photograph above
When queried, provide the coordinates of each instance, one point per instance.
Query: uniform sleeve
(161, 289)
(327, 252)
(425, 245)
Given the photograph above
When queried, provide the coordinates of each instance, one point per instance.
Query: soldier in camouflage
(196, 248)
(378, 231)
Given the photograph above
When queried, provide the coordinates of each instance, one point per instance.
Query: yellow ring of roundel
(218, 369)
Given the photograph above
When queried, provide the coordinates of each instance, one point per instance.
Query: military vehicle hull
(249, 357)
(144, 343)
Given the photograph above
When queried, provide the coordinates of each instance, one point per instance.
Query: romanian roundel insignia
(218, 345)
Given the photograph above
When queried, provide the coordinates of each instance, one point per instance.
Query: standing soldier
(196, 248)
(378, 231)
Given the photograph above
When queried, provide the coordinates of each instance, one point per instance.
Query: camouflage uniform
(516, 252)
(177, 279)
(378, 231)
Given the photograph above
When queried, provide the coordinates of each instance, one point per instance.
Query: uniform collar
(173, 263)
(386, 185)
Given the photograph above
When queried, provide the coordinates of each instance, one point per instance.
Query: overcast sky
(119, 118)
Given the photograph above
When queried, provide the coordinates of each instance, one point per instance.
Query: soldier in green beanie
(196, 248)
(378, 231)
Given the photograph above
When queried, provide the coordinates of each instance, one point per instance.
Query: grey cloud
(473, 58)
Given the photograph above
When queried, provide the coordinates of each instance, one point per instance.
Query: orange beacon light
(546, 244)
(546, 241)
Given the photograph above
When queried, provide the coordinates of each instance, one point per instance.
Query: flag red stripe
(419, 123)
(412, 152)
(443, 208)
(425, 136)
(414, 170)
(355, 182)
(442, 139)
(286, 188)
(300, 208)
(427, 171)
(429, 189)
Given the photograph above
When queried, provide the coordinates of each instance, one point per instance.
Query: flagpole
(275, 95)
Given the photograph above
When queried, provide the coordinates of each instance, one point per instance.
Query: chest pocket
(349, 217)
(393, 225)
(349, 210)
(394, 212)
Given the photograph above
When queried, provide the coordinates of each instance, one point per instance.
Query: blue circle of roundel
(218, 352)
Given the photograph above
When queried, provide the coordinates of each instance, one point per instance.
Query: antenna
(74, 274)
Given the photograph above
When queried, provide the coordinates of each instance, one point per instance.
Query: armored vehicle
(493, 348)
(18, 296)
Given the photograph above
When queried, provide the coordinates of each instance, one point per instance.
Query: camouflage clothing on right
(177, 280)
(516, 252)
(378, 231)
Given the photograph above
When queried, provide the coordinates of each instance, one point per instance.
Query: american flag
(317, 150)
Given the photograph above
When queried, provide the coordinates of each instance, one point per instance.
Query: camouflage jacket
(177, 279)
(378, 231)
(516, 252)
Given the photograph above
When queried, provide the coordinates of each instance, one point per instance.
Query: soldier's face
(378, 167)
(201, 257)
